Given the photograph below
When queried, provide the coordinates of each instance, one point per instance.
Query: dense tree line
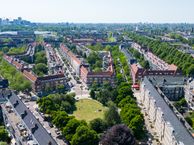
(121, 94)
(17, 50)
(178, 37)
(168, 53)
(40, 60)
(130, 113)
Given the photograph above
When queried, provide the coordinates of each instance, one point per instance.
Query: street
(80, 89)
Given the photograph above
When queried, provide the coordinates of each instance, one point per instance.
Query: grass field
(18, 50)
(88, 110)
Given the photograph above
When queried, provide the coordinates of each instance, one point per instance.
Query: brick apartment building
(137, 72)
(39, 84)
(85, 73)
(167, 126)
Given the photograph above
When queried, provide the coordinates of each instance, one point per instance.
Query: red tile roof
(134, 68)
(17, 64)
(172, 67)
(70, 54)
(30, 75)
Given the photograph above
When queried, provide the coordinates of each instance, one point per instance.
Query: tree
(136, 124)
(189, 120)
(60, 118)
(132, 117)
(46, 105)
(12, 72)
(55, 102)
(126, 100)
(103, 96)
(180, 105)
(84, 136)
(123, 90)
(119, 78)
(111, 116)
(98, 125)
(118, 135)
(70, 129)
(60, 88)
(40, 69)
(4, 135)
(92, 94)
(40, 57)
(146, 64)
(190, 70)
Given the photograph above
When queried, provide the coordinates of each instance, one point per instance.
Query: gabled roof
(180, 132)
(40, 134)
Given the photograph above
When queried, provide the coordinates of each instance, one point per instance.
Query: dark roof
(49, 77)
(167, 80)
(180, 132)
(41, 135)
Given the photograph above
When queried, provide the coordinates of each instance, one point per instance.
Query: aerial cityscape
(96, 73)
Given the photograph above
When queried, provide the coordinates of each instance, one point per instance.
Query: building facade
(167, 126)
(86, 75)
(39, 84)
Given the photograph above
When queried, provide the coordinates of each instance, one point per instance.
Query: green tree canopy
(111, 116)
(85, 136)
(98, 125)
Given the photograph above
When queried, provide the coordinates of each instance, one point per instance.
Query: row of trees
(16, 79)
(179, 37)
(168, 53)
(40, 60)
(140, 58)
(130, 113)
(121, 94)
(17, 50)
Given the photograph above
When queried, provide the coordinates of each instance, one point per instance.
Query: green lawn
(88, 110)
(19, 50)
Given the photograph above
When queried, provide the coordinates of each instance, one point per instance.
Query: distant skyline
(100, 11)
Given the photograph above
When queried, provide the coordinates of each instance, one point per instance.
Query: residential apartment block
(39, 84)
(169, 128)
(82, 69)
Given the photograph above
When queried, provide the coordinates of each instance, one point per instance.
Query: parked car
(50, 124)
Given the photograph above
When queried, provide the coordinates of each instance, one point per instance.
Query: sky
(100, 11)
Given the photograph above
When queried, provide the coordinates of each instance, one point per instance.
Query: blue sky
(95, 11)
